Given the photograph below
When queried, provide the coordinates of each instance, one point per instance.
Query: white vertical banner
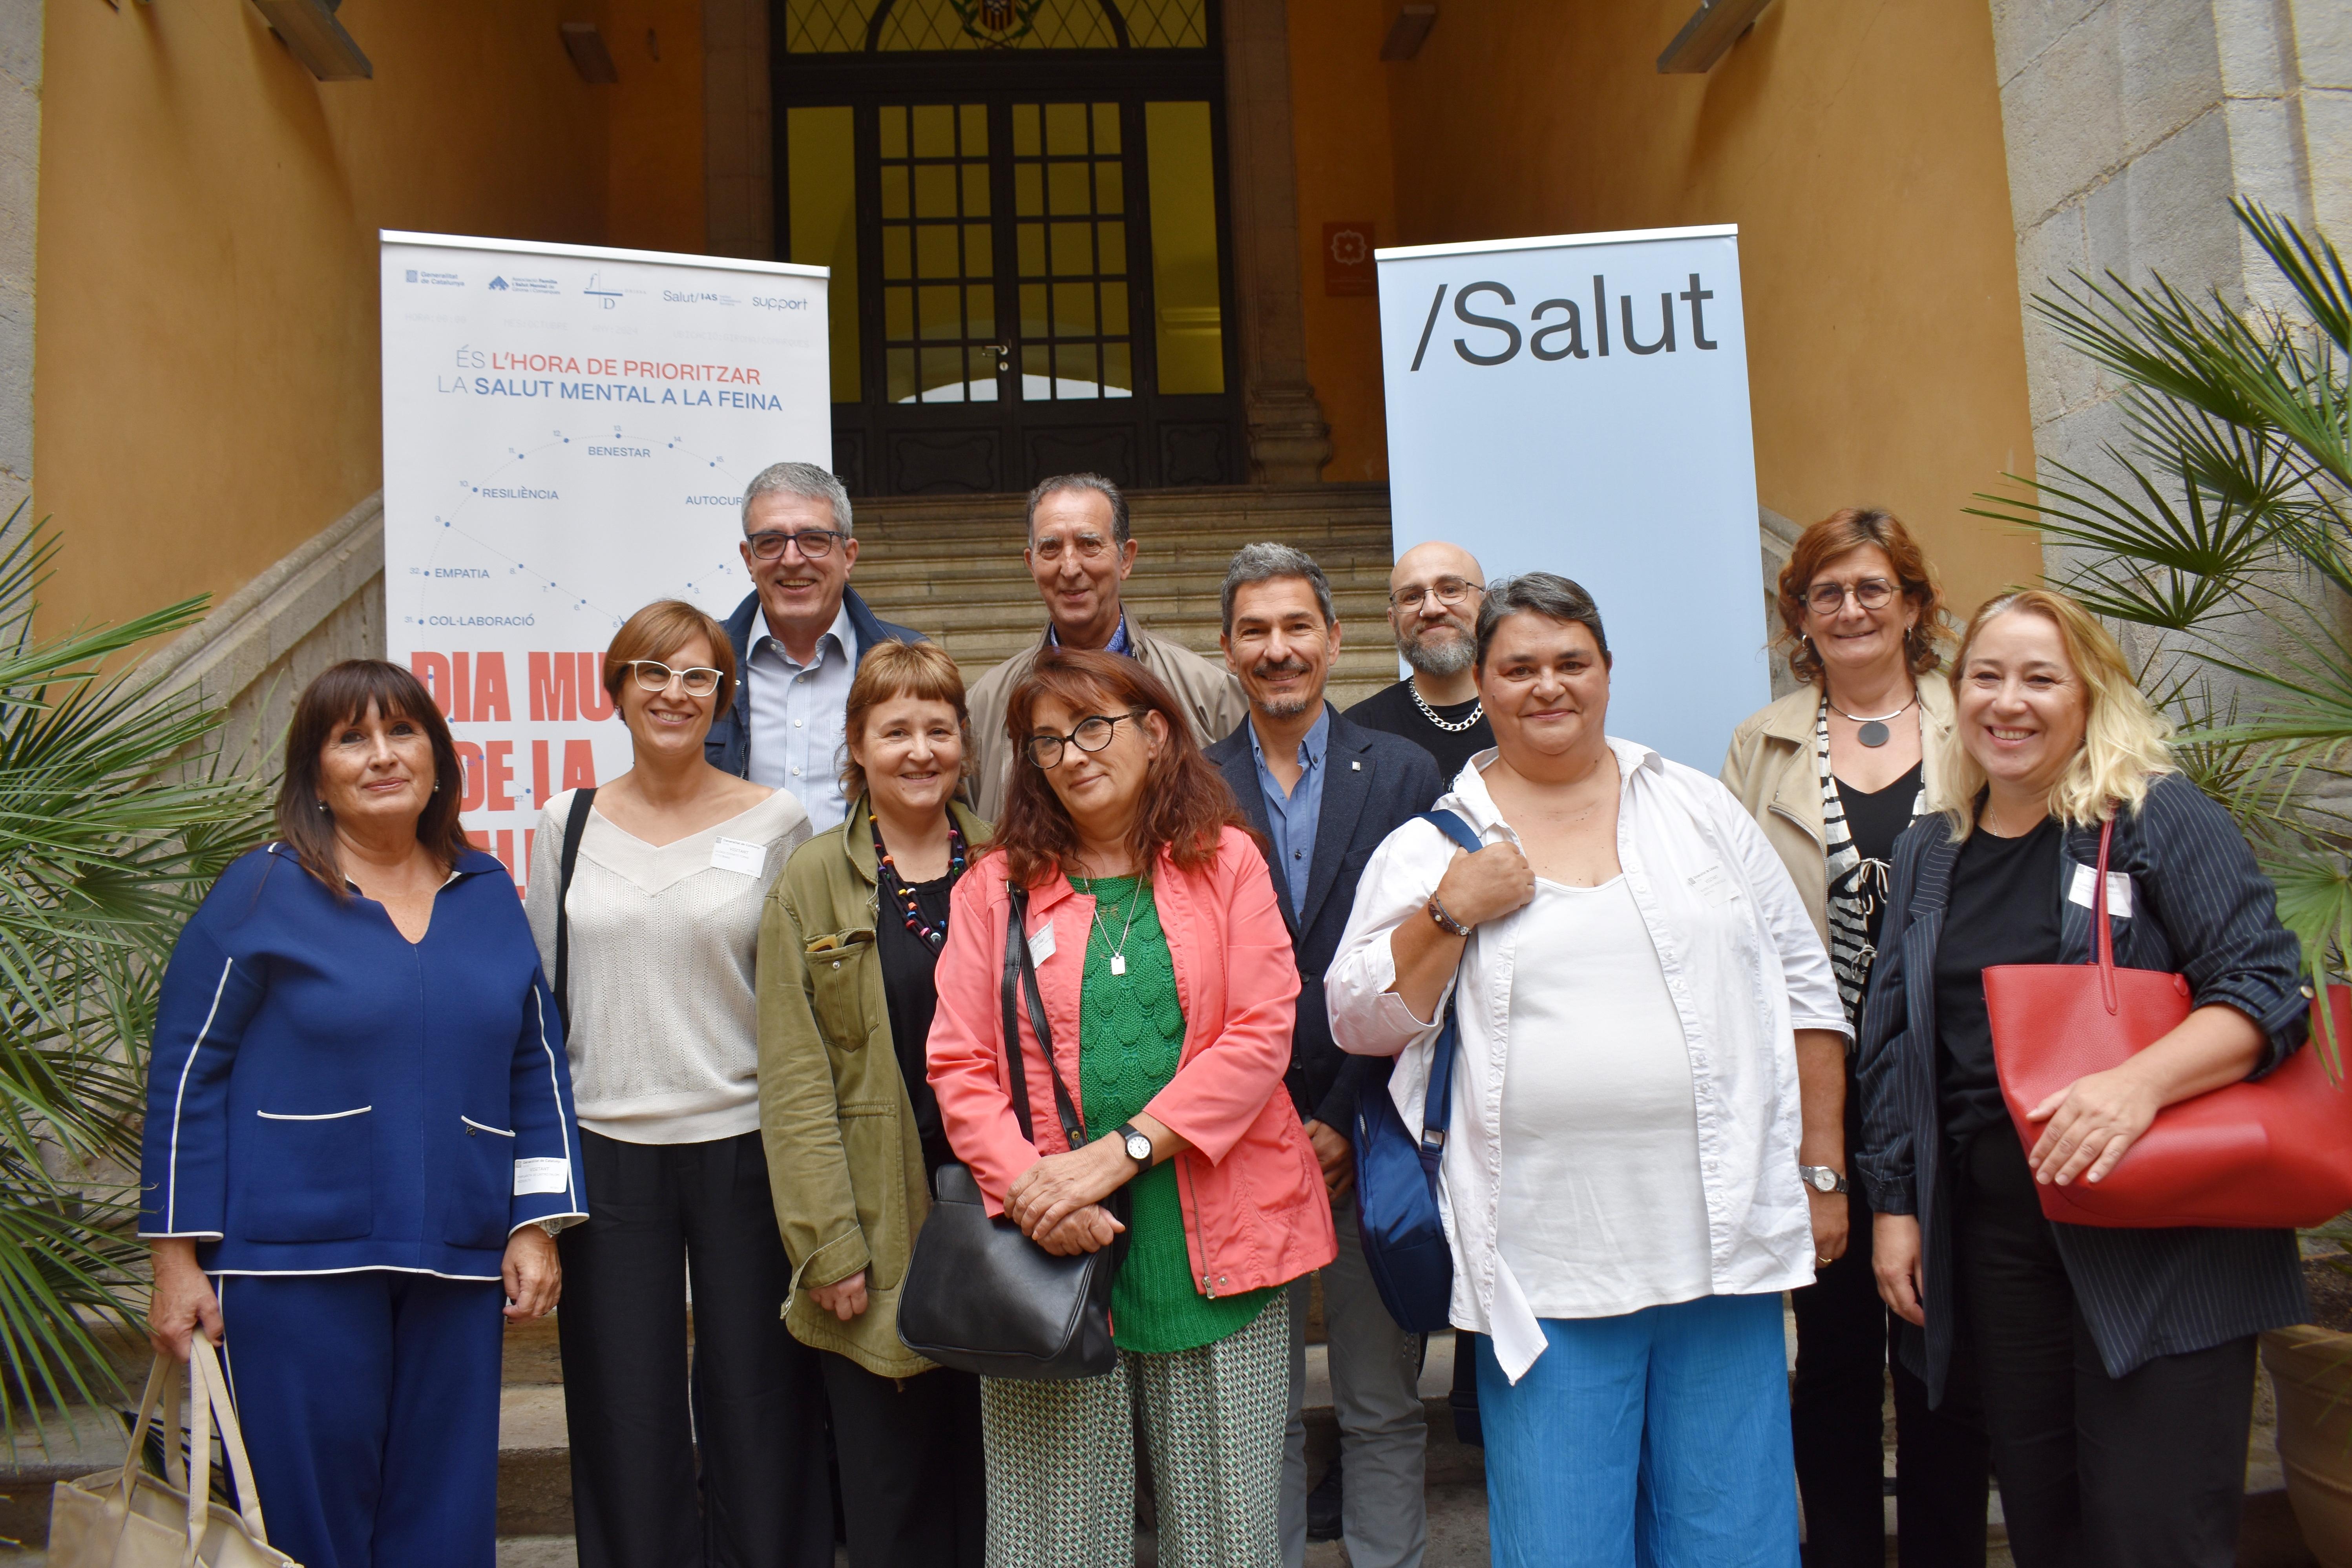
(1579, 405)
(567, 434)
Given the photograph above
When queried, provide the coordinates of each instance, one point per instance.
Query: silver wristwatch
(1821, 1179)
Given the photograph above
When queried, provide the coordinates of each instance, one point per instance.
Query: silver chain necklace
(1119, 953)
(1477, 711)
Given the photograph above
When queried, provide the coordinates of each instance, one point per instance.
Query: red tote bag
(2268, 1154)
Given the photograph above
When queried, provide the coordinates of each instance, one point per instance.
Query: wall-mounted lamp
(589, 56)
(1708, 36)
(313, 36)
(1408, 32)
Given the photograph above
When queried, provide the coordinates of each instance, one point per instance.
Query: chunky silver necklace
(1873, 731)
(1477, 712)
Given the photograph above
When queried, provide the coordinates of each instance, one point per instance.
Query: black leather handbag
(980, 1296)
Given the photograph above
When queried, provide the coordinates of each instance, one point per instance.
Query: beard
(1284, 706)
(1449, 657)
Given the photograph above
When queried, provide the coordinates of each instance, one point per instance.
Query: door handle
(1004, 352)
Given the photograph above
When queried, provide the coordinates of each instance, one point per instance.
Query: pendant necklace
(1477, 711)
(1117, 953)
(1874, 732)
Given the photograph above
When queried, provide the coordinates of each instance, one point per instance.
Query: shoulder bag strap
(2103, 936)
(1018, 962)
(574, 825)
(1437, 1111)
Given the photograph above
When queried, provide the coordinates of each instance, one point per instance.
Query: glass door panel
(938, 288)
(1069, 208)
(1188, 324)
(821, 153)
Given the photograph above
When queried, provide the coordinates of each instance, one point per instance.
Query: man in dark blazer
(799, 637)
(1324, 792)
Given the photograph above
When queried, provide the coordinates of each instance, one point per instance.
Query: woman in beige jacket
(1834, 772)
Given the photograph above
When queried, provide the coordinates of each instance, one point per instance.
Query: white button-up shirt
(1745, 969)
(797, 718)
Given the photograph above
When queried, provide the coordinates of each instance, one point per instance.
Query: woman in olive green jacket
(852, 930)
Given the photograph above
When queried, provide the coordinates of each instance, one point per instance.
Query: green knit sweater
(1130, 1034)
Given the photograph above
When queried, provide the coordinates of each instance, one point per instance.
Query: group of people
(1716, 1040)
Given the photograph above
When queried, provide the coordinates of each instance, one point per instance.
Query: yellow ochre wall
(1856, 144)
(206, 387)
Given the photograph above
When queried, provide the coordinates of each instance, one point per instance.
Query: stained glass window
(847, 27)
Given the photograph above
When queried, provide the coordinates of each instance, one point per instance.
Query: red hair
(1186, 805)
(1851, 529)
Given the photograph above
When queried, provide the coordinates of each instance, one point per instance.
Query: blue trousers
(1658, 1438)
(370, 1404)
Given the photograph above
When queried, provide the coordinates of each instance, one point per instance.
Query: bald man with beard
(1433, 596)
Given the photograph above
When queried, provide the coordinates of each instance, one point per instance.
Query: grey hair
(1266, 560)
(804, 480)
(1545, 594)
(1094, 482)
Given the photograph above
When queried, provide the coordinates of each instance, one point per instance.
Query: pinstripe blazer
(2200, 907)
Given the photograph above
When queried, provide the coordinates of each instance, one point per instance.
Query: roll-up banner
(1579, 405)
(567, 434)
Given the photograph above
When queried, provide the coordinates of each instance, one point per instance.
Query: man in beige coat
(1080, 552)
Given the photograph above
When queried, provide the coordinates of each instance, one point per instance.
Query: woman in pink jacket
(1169, 986)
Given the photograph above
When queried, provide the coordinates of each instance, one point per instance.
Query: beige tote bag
(135, 1520)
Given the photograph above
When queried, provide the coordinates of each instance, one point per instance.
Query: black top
(1393, 712)
(2003, 910)
(1874, 821)
(908, 963)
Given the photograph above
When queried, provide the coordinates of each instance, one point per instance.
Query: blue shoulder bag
(1396, 1175)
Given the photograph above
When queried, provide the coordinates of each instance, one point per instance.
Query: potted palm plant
(116, 815)
(2220, 532)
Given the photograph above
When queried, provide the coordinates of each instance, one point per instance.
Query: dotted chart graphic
(545, 558)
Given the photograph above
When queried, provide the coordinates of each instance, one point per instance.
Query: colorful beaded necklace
(933, 937)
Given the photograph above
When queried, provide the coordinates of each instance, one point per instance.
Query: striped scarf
(1857, 887)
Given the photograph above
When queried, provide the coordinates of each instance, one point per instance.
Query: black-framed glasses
(1829, 598)
(815, 543)
(1093, 734)
(654, 676)
(1450, 591)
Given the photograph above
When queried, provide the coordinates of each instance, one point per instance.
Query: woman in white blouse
(1651, 1046)
(660, 929)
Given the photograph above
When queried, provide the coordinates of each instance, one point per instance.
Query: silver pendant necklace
(1874, 732)
(1477, 711)
(1117, 953)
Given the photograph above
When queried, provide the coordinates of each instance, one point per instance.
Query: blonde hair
(2124, 737)
(893, 669)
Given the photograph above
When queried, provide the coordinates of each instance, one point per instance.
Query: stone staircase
(951, 568)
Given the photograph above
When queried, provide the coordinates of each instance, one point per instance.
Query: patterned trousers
(1061, 1456)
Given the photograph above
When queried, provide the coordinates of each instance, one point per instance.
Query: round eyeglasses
(1450, 591)
(815, 543)
(653, 675)
(1829, 598)
(1093, 734)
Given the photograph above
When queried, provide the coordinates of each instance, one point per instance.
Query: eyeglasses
(654, 676)
(1086, 546)
(815, 543)
(1829, 598)
(1450, 591)
(1093, 734)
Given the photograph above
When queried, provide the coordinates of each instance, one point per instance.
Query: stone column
(20, 184)
(2130, 124)
(1288, 441)
(738, 148)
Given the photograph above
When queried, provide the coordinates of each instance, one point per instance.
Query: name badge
(2085, 890)
(1709, 883)
(533, 1176)
(1041, 943)
(736, 854)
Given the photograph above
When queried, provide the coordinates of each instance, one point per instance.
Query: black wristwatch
(1137, 1146)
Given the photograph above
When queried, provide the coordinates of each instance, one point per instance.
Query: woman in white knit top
(661, 927)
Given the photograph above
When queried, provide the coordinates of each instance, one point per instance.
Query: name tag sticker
(2084, 888)
(1041, 943)
(1709, 883)
(542, 1176)
(736, 854)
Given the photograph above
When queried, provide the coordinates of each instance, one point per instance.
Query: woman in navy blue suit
(360, 1139)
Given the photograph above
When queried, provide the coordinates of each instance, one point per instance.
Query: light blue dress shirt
(1292, 819)
(1118, 643)
(797, 718)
